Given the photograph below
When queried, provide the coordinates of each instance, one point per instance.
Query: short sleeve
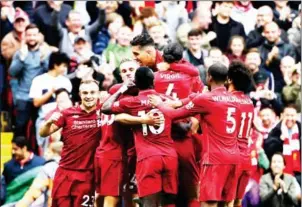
(35, 90)
(61, 121)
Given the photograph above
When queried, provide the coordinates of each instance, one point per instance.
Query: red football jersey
(115, 135)
(81, 135)
(219, 112)
(178, 84)
(149, 140)
(244, 124)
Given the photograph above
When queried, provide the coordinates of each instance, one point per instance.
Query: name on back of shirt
(232, 99)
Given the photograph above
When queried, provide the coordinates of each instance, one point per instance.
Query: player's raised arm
(49, 127)
(106, 108)
(148, 119)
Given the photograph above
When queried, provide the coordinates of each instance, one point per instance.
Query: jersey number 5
(231, 119)
(152, 129)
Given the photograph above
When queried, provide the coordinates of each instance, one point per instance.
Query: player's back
(244, 124)
(149, 140)
(218, 122)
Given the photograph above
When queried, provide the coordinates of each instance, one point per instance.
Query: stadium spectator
(294, 34)
(215, 56)
(82, 50)
(20, 171)
(39, 193)
(13, 40)
(277, 188)
(42, 18)
(236, 48)
(75, 27)
(286, 138)
(287, 66)
(7, 17)
(246, 14)
(194, 53)
(224, 26)
(201, 19)
(28, 62)
(284, 15)
(43, 88)
(273, 50)
(255, 37)
(157, 32)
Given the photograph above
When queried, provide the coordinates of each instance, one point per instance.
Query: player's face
(17, 152)
(127, 70)
(277, 164)
(89, 94)
(290, 116)
(143, 56)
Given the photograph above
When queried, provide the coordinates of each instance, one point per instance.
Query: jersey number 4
(244, 122)
(152, 129)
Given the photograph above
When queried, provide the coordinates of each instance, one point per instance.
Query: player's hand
(173, 103)
(153, 120)
(54, 117)
(103, 96)
(127, 84)
(277, 180)
(155, 100)
(163, 66)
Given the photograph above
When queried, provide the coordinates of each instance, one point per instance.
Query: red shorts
(108, 176)
(73, 188)
(155, 174)
(188, 167)
(218, 182)
(244, 174)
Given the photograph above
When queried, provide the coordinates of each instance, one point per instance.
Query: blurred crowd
(89, 39)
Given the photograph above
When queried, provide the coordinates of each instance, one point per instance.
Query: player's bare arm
(49, 127)
(148, 119)
(106, 108)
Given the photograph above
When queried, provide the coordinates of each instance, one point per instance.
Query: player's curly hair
(144, 78)
(142, 40)
(240, 76)
(172, 53)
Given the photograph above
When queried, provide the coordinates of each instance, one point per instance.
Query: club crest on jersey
(190, 105)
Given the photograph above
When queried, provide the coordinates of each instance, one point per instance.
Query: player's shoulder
(70, 110)
(114, 88)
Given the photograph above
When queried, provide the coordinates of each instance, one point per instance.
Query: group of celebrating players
(160, 135)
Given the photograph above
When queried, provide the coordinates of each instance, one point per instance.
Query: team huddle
(160, 138)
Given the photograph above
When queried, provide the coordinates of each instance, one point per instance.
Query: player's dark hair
(219, 72)
(144, 78)
(194, 32)
(173, 53)
(21, 142)
(240, 76)
(57, 58)
(142, 40)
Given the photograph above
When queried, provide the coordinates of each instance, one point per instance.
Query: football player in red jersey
(220, 152)
(74, 179)
(157, 165)
(180, 85)
(239, 81)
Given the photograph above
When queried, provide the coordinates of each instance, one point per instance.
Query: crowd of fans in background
(265, 35)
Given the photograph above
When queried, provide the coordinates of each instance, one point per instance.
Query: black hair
(142, 40)
(21, 142)
(57, 58)
(61, 90)
(144, 78)
(240, 76)
(173, 53)
(194, 32)
(219, 72)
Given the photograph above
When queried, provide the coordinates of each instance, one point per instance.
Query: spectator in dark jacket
(42, 18)
(273, 50)
(284, 15)
(22, 161)
(264, 16)
(224, 26)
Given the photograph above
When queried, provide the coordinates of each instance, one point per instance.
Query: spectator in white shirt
(43, 89)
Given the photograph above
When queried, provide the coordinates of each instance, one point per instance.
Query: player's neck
(88, 110)
(231, 88)
(216, 85)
